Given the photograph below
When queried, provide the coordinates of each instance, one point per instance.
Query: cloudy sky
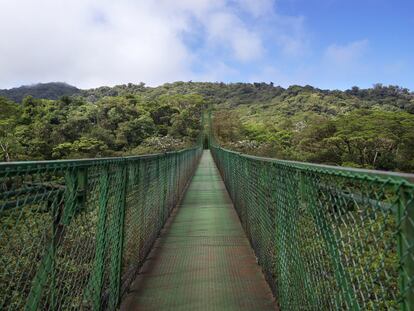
(325, 43)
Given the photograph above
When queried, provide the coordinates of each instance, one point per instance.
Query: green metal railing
(327, 238)
(74, 233)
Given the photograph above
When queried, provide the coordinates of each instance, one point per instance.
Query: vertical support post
(246, 199)
(55, 229)
(141, 206)
(164, 184)
(159, 197)
(178, 175)
(82, 188)
(405, 244)
(175, 178)
(210, 128)
(98, 267)
(342, 277)
(61, 218)
(275, 210)
(303, 277)
(171, 182)
(57, 232)
(409, 259)
(118, 237)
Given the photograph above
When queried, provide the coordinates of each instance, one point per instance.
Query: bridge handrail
(327, 237)
(74, 233)
(331, 169)
(54, 164)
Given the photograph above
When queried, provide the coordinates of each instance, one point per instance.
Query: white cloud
(291, 36)
(89, 43)
(346, 54)
(104, 42)
(257, 8)
(227, 29)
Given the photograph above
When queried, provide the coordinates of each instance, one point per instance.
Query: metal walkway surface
(202, 259)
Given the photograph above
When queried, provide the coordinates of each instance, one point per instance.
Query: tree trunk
(6, 155)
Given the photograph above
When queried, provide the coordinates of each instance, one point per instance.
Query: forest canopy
(369, 128)
(112, 126)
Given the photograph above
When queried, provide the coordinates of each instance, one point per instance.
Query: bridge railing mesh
(326, 238)
(73, 234)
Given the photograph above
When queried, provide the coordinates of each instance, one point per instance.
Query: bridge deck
(202, 260)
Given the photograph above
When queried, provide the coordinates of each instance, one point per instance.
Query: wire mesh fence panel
(327, 238)
(73, 234)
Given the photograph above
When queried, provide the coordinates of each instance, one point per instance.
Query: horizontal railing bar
(360, 199)
(29, 166)
(336, 169)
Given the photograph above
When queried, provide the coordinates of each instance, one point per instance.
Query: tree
(84, 147)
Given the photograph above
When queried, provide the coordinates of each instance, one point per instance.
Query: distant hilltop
(390, 97)
(52, 90)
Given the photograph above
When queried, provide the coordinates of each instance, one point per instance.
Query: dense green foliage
(361, 128)
(371, 128)
(294, 98)
(112, 126)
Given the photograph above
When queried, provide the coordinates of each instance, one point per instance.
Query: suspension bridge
(204, 230)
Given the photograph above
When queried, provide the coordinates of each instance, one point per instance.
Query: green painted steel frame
(273, 197)
(100, 195)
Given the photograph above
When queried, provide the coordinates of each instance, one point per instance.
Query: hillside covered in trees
(370, 128)
(112, 126)
(52, 90)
